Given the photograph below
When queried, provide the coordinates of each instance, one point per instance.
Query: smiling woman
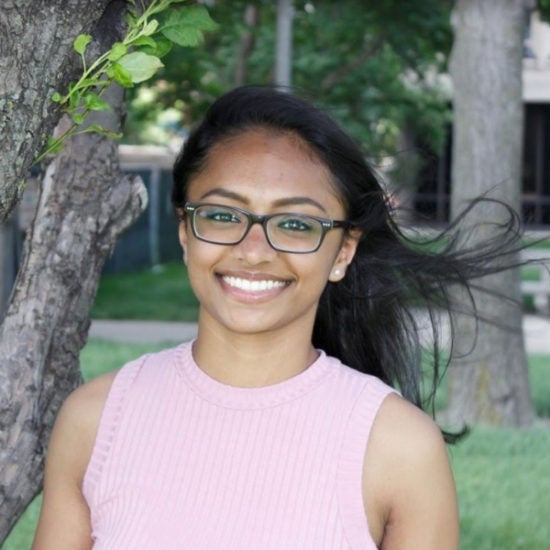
(278, 427)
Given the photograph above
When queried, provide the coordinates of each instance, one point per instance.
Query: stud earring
(336, 272)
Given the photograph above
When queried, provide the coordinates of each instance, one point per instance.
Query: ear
(182, 233)
(345, 255)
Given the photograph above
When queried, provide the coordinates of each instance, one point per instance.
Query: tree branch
(36, 58)
(338, 74)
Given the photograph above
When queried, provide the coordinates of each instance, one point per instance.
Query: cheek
(315, 273)
(201, 257)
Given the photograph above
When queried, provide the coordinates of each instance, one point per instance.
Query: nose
(255, 248)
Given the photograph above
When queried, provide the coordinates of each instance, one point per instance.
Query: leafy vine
(133, 60)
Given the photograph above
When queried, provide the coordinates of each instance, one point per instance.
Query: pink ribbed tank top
(181, 461)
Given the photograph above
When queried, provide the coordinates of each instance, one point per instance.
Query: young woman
(278, 427)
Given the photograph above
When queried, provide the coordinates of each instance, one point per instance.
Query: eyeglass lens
(290, 232)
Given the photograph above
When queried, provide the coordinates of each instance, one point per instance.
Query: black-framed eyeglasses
(285, 232)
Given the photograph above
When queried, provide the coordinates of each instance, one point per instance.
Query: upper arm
(64, 518)
(408, 488)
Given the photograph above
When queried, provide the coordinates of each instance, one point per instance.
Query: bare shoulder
(64, 518)
(409, 490)
(91, 396)
(75, 429)
(405, 432)
(80, 414)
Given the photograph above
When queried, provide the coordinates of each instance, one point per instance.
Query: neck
(251, 360)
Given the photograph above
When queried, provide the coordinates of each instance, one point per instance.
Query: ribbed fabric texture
(183, 462)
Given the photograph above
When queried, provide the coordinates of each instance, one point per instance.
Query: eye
(219, 215)
(296, 224)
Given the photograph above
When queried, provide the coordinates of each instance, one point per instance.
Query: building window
(432, 196)
(536, 165)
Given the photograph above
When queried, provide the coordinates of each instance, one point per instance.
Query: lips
(250, 285)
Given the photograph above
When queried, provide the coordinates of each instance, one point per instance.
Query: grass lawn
(503, 482)
(163, 294)
(503, 476)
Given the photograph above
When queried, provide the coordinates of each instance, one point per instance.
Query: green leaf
(54, 145)
(74, 100)
(130, 19)
(163, 46)
(118, 49)
(144, 41)
(140, 66)
(185, 26)
(150, 28)
(81, 42)
(78, 118)
(119, 74)
(57, 97)
(95, 103)
(160, 47)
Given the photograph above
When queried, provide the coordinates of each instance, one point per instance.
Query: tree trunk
(283, 48)
(248, 40)
(490, 384)
(36, 59)
(81, 212)
(83, 206)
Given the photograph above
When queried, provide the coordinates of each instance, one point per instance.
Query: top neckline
(245, 398)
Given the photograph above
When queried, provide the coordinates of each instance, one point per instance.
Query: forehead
(265, 163)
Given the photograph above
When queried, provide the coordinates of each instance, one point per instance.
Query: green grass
(503, 482)
(539, 378)
(101, 356)
(163, 294)
(21, 536)
(502, 475)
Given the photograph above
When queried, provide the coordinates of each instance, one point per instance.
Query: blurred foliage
(543, 7)
(376, 66)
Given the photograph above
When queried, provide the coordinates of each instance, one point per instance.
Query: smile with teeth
(252, 286)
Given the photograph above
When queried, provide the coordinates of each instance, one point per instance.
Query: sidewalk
(144, 332)
(536, 328)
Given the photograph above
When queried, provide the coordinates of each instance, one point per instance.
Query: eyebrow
(290, 201)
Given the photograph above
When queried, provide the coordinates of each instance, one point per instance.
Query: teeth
(252, 286)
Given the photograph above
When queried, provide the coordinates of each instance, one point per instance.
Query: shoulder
(64, 518)
(80, 415)
(402, 429)
(408, 488)
(78, 420)
(405, 437)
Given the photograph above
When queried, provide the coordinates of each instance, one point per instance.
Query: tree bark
(84, 205)
(36, 59)
(82, 210)
(490, 384)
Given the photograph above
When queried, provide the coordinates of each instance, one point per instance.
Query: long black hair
(368, 320)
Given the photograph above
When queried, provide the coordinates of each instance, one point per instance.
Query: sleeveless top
(182, 461)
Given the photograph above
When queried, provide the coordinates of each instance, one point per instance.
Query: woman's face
(250, 287)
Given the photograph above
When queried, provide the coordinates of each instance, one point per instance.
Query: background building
(432, 195)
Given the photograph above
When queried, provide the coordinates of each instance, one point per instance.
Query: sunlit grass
(503, 483)
(162, 294)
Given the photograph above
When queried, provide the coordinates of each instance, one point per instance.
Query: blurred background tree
(376, 66)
